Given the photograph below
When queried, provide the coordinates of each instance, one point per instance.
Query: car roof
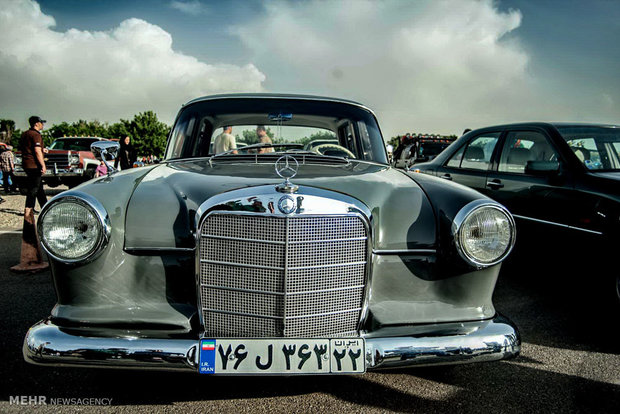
(548, 124)
(277, 96)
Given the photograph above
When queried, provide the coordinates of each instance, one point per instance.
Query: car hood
(162, 210)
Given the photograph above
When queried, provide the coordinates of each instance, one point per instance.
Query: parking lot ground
(570, 362)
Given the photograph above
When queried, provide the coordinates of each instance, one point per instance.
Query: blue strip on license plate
(282, 356)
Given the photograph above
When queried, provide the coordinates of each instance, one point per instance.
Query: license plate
(282, 356)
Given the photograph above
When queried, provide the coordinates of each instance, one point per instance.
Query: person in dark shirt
(32, 148)
(126, 155)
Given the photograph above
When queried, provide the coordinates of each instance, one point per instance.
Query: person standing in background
(32, 148)
(126, 155)
(8, 166)
(225, 141)
(263, 138)
(33, 162)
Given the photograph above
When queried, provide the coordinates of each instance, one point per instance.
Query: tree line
(148, 134)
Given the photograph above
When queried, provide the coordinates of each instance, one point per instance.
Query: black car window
(520, 147)
(455, 160)
(477, 154)
(598, 148)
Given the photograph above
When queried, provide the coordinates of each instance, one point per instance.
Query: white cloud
(436, 66)
(101, 75)
(193, 7)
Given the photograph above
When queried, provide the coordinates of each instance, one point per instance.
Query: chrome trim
(327, 290)
(103, 149)
(488, 340)
(254, 315)
(311, 315)
(262, 292)
(420, 345)
(251, 266)
(160, 249)
(340, 205)
(92, 204)
(566, 226)
(405, 252)
(48, 344)
(464, 213)
(328, 265)
(210, 236)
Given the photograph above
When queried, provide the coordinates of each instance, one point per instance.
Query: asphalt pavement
(570, 362)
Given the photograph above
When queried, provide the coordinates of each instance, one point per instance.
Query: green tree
(7, 127)
(148, 134)
(117, 130)
(80, 128)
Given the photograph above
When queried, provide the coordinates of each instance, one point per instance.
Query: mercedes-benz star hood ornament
(286, 167)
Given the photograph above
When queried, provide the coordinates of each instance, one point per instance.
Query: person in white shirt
(225, 141)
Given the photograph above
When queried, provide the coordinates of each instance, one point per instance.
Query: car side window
(477, 154)
(520, 147)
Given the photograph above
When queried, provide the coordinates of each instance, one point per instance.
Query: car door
(469, 165)
(526, 179)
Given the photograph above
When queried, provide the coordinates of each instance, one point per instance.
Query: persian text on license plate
(282, 356)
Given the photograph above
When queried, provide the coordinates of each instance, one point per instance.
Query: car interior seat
(474, 154)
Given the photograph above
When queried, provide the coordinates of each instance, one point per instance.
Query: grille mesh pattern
(319, 256)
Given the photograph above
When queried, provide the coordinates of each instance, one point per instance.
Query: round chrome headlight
(75, 159)
(484, 233)
(73, 229)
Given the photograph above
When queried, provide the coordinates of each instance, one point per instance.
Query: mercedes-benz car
(272, 259)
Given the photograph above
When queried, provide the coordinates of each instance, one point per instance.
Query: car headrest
(474, 153)
(519, 156)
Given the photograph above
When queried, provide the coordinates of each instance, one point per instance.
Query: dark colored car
(276, 259)
(561, 182)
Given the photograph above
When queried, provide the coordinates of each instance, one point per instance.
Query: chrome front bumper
(438, 344)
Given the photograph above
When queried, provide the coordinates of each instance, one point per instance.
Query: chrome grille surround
(266, 274)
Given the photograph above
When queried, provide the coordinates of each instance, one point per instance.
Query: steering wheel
(333, 150)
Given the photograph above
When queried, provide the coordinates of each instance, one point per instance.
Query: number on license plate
(282, 356)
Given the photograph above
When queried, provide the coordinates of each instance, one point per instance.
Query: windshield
(225, 126)
(598, 148)
(80, 144)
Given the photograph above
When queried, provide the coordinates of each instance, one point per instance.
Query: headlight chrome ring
(87, 223)
(484, 233)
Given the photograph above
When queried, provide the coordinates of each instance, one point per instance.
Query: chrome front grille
(301, 276)
(62, 160)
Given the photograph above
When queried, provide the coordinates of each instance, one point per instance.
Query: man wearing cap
(32, 148)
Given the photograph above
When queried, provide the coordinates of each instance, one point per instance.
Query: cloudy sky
(424, 66)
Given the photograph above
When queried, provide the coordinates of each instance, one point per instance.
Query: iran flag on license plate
(208, 345)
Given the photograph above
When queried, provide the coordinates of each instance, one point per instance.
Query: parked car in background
(421, 149)
(561, 182)
(69, 162)
(283, 262)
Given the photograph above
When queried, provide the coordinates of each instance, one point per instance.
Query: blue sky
(428, 66)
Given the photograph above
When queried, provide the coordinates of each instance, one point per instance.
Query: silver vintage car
(274, 258)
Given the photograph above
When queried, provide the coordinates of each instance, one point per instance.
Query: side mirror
(104, 151)
(542, 167)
